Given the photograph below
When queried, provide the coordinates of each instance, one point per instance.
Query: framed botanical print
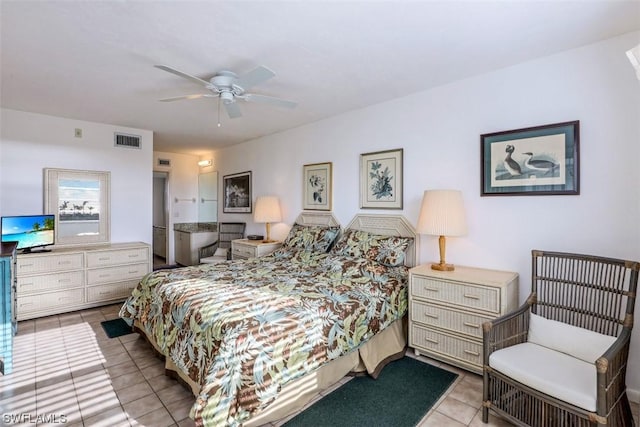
(237, 193)
(541, 160)
(381, 180)
(317, 186)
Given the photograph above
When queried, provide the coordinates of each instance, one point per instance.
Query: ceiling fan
(228, 87)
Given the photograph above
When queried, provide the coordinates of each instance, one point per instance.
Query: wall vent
(127, 140)
(164, 162)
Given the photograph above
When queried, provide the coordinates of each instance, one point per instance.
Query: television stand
(34, 251)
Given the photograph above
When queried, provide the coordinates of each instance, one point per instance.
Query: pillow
(578, 342)
(311, 237)
(387, 250)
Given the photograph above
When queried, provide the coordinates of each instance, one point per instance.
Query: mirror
(208, 197)
(80, 201)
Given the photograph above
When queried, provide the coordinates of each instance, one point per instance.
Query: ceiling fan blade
(195, 96)
(182, 74)
(263, 99)
(257, 76)
(233, 110)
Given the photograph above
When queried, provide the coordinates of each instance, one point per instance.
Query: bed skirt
(370, 358)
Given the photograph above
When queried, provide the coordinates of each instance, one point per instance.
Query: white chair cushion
(551, 372)
(219, 256)
(572, 340)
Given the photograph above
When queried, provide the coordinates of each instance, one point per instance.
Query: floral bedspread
(243, 329)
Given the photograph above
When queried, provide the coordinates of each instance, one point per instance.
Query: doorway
(160, 218)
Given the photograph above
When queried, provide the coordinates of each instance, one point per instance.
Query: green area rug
(401, 396)
(116, 328)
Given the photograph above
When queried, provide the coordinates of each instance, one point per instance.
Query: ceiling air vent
(164, 162)
(126, 140)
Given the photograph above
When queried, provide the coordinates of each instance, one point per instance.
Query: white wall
(31, 142)
(440, 132)
(183, 184)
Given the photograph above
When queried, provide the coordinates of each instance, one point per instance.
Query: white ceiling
(94, 60)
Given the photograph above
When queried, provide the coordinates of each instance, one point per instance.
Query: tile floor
(67, 370)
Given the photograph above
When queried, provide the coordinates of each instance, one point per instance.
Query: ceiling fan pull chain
(219, 112)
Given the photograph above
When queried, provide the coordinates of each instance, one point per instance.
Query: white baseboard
(634, 395)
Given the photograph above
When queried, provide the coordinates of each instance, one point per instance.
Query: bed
(256, 339)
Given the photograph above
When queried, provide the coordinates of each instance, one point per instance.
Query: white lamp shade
(267, 209)
(442, 214)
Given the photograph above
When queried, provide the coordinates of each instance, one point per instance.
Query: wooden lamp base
(442, 266)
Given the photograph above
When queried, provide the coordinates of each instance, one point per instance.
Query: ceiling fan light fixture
(226, 97)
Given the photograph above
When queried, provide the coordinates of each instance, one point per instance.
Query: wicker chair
(573, 297)
(219, 250)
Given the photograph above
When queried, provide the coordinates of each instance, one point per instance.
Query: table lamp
(267, 210)
(442, 214)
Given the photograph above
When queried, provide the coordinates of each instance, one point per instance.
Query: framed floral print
(317, 185)
(381, 180)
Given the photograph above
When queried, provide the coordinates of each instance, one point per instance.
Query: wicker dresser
(447, 309)
(68, 279)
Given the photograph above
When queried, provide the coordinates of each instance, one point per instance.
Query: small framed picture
(317, 185)
(541, 160)
(237, 193)
(381, 180)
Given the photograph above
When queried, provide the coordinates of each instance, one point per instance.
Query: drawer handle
(471, 296)
(134, 256)
(133, 272)
(104, 275)
(26, 304)
(473, 353)
(64, 280)
(104, 258)
(431, 289)
(105, 293)
(433, 316)
(26, 265)
(432, 341)
(64, 262)
(471, 325)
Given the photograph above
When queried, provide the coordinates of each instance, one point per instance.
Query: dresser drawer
(461, 294)
(46, 264)
(46, 282)
(116, 274)
(107, 258)
(447, 318)
(467, 350)
(66, 298)
(111, 291)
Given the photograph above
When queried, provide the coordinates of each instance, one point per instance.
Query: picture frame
(237, 193)
(317, 184)
(535, 161)
(381, 179)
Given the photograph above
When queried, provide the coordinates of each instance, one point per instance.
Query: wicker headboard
(389, 225)
(317, 218)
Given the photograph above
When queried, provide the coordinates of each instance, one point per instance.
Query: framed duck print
(540, 160)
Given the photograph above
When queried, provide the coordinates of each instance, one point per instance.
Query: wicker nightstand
(447, 309)
(245, 248)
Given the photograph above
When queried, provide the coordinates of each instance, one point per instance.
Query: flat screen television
(32, 232)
